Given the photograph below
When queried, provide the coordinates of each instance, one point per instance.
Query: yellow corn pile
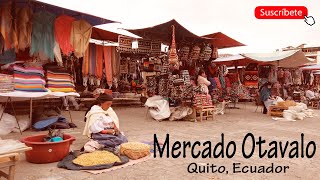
(135, 146)
(96, 158)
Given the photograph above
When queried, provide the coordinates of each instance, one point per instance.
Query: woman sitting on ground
(102, 123)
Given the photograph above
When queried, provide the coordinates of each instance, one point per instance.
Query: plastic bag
(7, 124)
(160, 108)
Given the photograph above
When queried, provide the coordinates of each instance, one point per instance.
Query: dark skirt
(108, 140)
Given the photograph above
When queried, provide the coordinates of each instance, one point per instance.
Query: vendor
(265, 96)
(102, 123)
(203, 81)
(311, 94)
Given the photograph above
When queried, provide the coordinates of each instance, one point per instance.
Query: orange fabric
(62, 31)
(85, 63)
(99, 61)
(107, 62)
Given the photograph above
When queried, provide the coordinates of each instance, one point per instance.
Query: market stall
(173, 73)
(42, 49)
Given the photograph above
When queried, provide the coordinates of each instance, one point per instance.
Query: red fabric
(62, 31)
(228, 83)
(99, 62)
(218, 82)
(108, 65)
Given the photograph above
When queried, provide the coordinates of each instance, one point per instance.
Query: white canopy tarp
(292, 58)
(229, 58)
(313, 67)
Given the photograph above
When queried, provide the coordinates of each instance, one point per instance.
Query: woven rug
(251, 79)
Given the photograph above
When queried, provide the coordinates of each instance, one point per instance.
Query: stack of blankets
(59, 81)
(29, 79)
(6, 83)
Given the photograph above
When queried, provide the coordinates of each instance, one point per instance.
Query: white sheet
(23, 94)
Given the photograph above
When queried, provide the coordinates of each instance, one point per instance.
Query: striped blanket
(29, 79)
(59, 82)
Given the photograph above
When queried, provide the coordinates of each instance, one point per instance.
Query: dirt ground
(235, 124)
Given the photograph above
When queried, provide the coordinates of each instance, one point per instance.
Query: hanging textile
(62, 31)
(80, 37)
(107, 56)
(273, 76)
(42, 34)
(173, 56)
(195, 53)
(7, 26)
(251, 79)
(115, 62)
(92, 59)
(297, 77)
(207, 53)
(99, 62)
(57, 53)
(24, 27)
(184, 53)
(288, 77)
(85, 63)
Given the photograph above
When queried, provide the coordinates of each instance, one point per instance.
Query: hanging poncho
(24, 27)
(62, 30)
(173, 56)
(184, 53)
(43, 34)
(80, 37)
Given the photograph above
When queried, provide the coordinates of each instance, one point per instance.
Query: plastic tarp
(158, 107)
(288, 59)
(314, 67)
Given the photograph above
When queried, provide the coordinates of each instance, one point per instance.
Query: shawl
(99, 62)
(62, 31)
(80, 37)
(24, 28)
(43, 35)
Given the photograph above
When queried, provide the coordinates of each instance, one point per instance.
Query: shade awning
(163, 32)
(37, 6)
(288, 59)
(221, 40)
(238, 60)
(314, 67)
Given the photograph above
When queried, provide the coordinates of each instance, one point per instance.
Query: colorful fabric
(6, 26)
(24, 27)
(59, 81)
(29, 79)
(92, 59)
(217, 80)
(251, 79)
(85, 63)
(43, 34)
(80, 37)
(62, 31)
(107, 56)
(99, 62)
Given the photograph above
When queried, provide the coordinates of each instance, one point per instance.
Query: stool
(315, 104)
(204, 111)
(9, 160)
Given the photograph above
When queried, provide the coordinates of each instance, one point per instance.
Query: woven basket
(129, 149)
(286, 103)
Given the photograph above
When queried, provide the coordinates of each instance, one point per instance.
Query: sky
(234, 18)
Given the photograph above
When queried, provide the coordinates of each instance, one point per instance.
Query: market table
(9, 159)
(30, 96)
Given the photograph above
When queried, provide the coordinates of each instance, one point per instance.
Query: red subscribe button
(280, 12)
